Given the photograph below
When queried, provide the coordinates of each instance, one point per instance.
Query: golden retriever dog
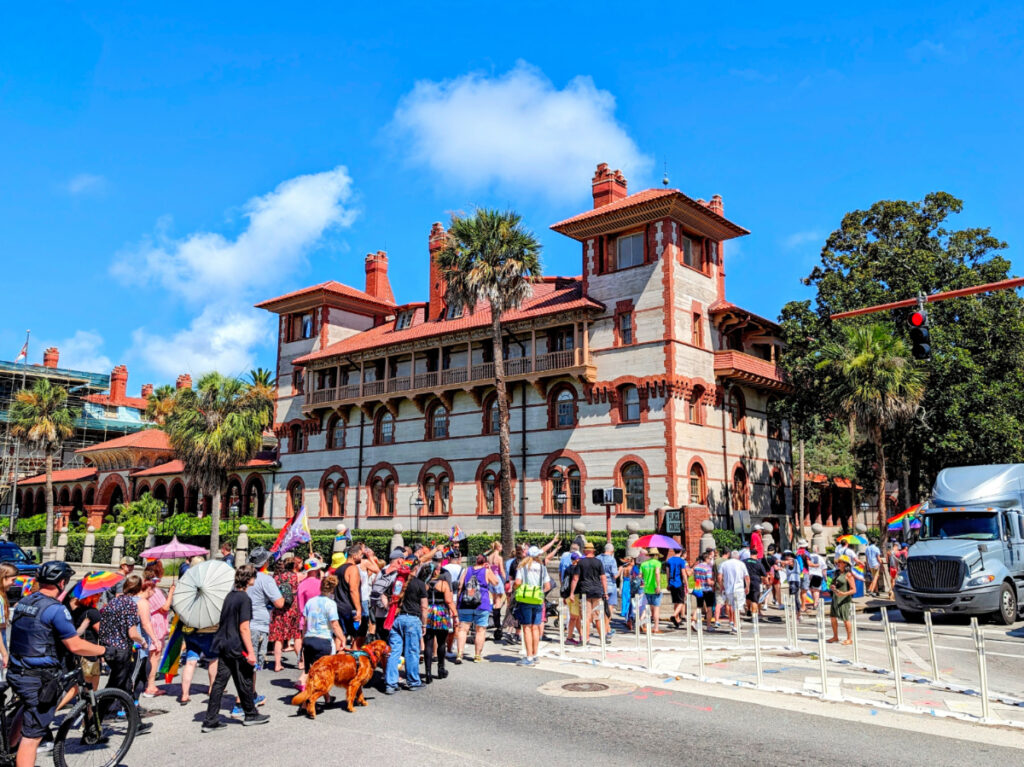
(349, 669)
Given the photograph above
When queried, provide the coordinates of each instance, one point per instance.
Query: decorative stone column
(766, 535)
(397, 541)
(117, 551)
(89, 545)
(341, 540)
(707, 540)
(634, 533)
(62, 545)
(580, 529)
(150, 539)
(242, 546)
(861, 529)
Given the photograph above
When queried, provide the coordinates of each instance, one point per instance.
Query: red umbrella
(655, 541)
(174, 550)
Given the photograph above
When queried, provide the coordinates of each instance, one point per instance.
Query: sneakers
(144, 727)
(255, 719)
(218, 725)
(261, 700)
(390, 690)
(236, 711)
(524, 662)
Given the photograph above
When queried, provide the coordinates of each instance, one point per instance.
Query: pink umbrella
(656, 541)
(174, 550)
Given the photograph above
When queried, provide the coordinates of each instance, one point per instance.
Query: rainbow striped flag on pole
(172, 651)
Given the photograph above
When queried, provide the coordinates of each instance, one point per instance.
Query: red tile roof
(138, 403)
(152, 439)
(331, 287)
(551, 295)
(719, 306)
(177, 467)
(626, 202)
(61, 475)
(821, 479)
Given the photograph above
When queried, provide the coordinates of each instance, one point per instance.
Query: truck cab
(969, 557)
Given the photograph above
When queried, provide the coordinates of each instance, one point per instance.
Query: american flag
(23, 354)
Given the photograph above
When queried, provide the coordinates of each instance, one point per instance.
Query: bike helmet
(54, 573)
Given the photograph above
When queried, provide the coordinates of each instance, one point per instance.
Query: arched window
(564, 478)
(633, 484)
(382, 494)
(384, 434)
(377, 497)
(437, 422)
(630, 403)
(436, 493)
(698, 492)
(389, 496)
(739, 489)
(298, 439)
(444, 494)
(778, 493)
(492, 415)
(296, 496)
(737, 410)
(336, 433)
(562, 411)
(489, 488)
(327, 509)
(695, 408)
(429, 494)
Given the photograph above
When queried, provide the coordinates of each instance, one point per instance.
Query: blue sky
(161, 173)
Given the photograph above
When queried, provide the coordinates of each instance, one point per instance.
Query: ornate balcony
(571, 362)
(748, 369)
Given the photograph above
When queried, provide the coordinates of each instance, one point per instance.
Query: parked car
(13, 554)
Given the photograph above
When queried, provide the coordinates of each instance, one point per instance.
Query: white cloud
(927, 49)
(83, 351)
(225, 275)
(516, 132)
(85, 183)
(799, 239)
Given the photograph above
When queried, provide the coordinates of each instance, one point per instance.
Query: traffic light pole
(990, 287)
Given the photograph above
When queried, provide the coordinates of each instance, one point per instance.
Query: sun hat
(653, 553)
(313, 564)
(258, 557)
(533, 551)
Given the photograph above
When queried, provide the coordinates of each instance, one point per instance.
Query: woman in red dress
(284, 621)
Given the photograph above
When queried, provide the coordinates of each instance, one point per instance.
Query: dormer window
(454, 312)
(404, 320)
(630, 251)
(301, 326)
(691, 253)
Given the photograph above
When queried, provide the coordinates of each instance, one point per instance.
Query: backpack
(288, 593)
(470, 598)
(381, 588)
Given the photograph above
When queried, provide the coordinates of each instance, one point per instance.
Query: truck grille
(935, 574)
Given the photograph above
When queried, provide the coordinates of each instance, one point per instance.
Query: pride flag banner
(172, 651)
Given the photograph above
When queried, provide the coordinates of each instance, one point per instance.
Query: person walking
(264, 595)
(704, 589)
(874, 560)
(442, 618)
(843, 588)
(590, 582)
(531, 584)
(120, 632)
(284, 620)
(236, 654)
(611, 571)
(735, 582)
(323, 635)
(678, 573)
(496, 564)
(158, 605)
(227, 554)
(198, 645)
(407, 633)
(758, 575)
(572, 601)
(475, 587)
(650, 572)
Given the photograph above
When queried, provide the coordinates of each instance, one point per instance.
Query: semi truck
(969, 555)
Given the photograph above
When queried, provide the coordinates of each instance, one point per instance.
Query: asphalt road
(493, 713)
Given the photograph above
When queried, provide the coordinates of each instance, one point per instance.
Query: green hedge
(34, 524)
(727, 540)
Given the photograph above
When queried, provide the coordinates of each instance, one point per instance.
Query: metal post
(601, 633)
(700, 644)
(894, 657)
(585, 613)
(688, 627)
(979, 643)
(561, 627)
(931, 644)
(853, 630)
(637, 601)
(650, 643)
(819, 619)
(757, 650)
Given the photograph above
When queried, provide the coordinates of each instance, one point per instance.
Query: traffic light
(920, 339)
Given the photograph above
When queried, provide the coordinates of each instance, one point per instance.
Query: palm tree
(160, 404)
(214, 428)
(489, 257)
(262, 382)
(42, 418)
(872, 381)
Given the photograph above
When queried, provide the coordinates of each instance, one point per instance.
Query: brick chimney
(716, 205)
(377, 284)
(608, 185)
(51, 357)
(438, 287)
(184, 381)
(147, 389)
(118, 384)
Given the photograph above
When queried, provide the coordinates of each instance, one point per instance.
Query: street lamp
(560, 499)
(418, 503)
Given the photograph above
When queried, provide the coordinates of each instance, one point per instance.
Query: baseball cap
(533, 551)
(574, 556)
(397, 554)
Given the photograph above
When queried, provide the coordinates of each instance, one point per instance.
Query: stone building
(638, 373)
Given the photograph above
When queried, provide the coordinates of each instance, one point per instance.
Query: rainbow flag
(298, 532)
(457, 534)
(858, 571)
(172, 651)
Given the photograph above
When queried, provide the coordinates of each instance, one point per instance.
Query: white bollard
(688, 618)
(894, 657)
(585, 613)
(650, 642)
(562, 614)
(757, 651)
(931, 645)
(979, 644)
(700, 644)
(637, 602)
(819, 619)
(602, 622)
(853, 631)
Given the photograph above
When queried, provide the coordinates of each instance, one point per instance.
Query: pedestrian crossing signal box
(609, 496)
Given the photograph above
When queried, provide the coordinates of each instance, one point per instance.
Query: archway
(176, 503)
(254, 496)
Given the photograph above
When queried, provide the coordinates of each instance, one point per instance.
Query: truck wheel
(1006, 615)
(912, 617)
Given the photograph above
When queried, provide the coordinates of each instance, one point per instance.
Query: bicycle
(97, 730)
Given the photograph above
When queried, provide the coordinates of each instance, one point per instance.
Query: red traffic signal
(918, 319)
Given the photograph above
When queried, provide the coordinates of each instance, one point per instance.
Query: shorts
(348, 627)
(474, 617)
(754, 594)
(707, 599)
(259, 645)
(35, 723)
(91, 668)
(198, 646)
(794, 588)
(678, 594)
(843, 612)
(315, 648)
(529, 615)
(816, 581)
(736, 599)
(654, 600)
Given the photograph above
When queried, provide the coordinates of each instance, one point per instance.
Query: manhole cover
(586, 688)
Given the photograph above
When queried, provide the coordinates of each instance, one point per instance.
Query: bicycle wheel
(84, 739)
